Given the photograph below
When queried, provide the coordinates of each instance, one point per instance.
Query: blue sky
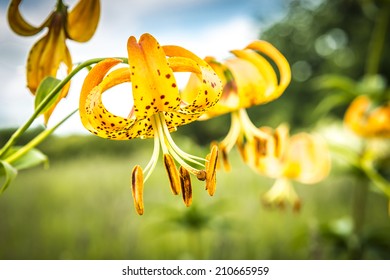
(206, 27)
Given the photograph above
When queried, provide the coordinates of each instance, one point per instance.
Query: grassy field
(81, 208)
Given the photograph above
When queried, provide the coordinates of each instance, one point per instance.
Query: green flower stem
(380, 182)
(377, 40)
(37, 140)
(45, 101)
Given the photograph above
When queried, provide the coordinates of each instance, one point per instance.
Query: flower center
(163, 139)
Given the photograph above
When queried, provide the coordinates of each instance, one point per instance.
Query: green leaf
(44, 88)
(8, 172)
(32, 158)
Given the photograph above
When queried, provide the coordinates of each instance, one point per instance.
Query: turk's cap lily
(154, 90)
(50, 53)
(249, 78)
(158, 107)
(368, 120)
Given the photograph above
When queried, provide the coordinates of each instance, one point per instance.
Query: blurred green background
(80, 207)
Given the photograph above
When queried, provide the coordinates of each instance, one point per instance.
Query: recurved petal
(18, 24)
(154, 85)
(253, 88)
(83, 20)
(94, 116)
(281, 62)
(204, 87)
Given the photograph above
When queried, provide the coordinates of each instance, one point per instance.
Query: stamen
(211, 165)
(153, 161)
(175, 148)
(137, 183)
(186, 188)
(168, 144)
(173, 174)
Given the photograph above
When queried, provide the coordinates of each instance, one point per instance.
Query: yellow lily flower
(248, 80)
(50, 52)
(158, 109)
(302, 157)
(367, 120)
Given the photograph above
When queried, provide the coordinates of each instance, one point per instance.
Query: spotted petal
(94, 116)
(154, 85)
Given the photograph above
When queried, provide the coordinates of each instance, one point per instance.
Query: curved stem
(37, 140)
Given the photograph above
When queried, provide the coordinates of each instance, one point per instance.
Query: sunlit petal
(83, 20)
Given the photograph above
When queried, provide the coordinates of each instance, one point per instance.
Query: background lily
(50, 52)
(249, 79)
(158, 109)
(366, 119)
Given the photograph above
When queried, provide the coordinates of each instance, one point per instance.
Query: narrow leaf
(44, 88)
(8, 172)
(32, 158)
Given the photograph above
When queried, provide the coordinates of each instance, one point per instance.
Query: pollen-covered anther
(137, 183)
(173, 174)
(211, 173)
(186, 188)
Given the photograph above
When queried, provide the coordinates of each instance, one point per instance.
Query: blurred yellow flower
(248, 80)
(50, 52)
(367, 119)
(158, 109)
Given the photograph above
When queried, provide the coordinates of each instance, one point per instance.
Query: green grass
(81, 208)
